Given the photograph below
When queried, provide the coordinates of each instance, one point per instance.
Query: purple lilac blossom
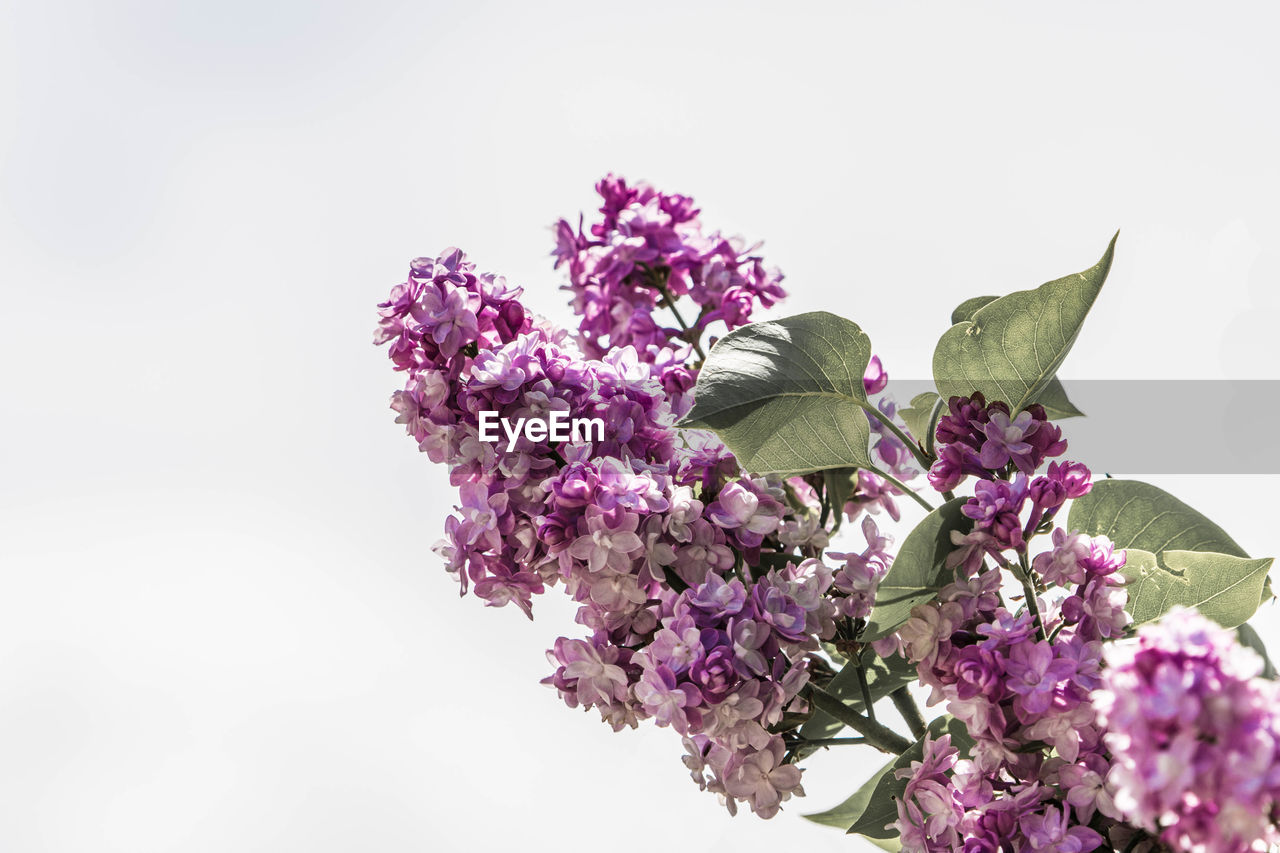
(643, 243)
(1038, 769)
(875, 378)
(613, 520)
(980, 439)
(1194, 735)
(860, 576)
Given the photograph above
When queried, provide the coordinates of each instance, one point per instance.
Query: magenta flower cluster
(649, 246)
(981, 439)
(1194, 736)
(652, 533)
(1020, 681)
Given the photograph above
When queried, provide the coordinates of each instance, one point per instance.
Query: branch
(882, 738)
(827, 741)
(864, 687)
(909, 710)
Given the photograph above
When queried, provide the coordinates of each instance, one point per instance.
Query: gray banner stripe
(1164, 426)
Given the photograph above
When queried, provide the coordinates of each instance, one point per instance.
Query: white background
(221, 626)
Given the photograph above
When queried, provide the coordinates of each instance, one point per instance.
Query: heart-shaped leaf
(1054, 396)
(786, 396)
(1134, 514)
(1010, 348)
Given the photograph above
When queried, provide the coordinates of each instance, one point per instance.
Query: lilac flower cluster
(722, 669)
(1037, 759)
(1194, 736)
(983, 440)
(649, 533)
(539, 513)
(1019, 679)
(649, 246)
(719, 663)
(974, 433)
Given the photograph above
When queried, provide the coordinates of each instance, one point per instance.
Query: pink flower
(1034, 673)
(678, 645)
(928, 626)
(748, 638)
(483, 511)
(1050, 832)
(667, 701)
(1064, 565)
(1194, 735)
(1005, 441)
(929, 812)
(597, 679)
(738, 506)
(760, 778)
(451, 322)
(605, 544)
(1086, 791)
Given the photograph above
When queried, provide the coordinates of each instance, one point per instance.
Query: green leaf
(1249, 637)
(917, 572)
(918, 415)
(1011, 347)
(883, 677)
(1139, 515)
(847, 813)
(1054, 396)
(1223, 587)
(874, 806)
(787, 396)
